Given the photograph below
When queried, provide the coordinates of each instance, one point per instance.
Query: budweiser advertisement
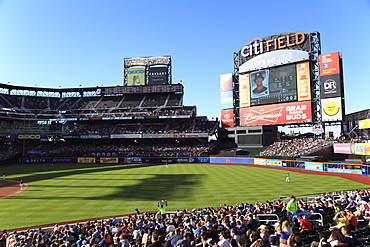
(227, 118)
(285, 113)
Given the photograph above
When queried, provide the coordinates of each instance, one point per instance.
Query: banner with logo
(259, 162)
(274, 163)
(330, 86)
(226, 82)
(158, 76)
(86, 160)
(364, 124)
(108, 160)
(227, 118)
(313, 166)
(360, 148)
(303, 81)
(227, 100)
(331, 109)
(136, 77)
(285, 113)
(244, 90)
(329, 64)
(342, 148)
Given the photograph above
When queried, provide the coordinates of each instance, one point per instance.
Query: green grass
(70, 192)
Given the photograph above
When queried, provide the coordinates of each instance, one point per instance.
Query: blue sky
(52, 43)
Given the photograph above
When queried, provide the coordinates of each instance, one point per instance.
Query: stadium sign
(259, 46)
(147, 61)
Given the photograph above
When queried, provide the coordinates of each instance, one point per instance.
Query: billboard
(364, 124)
(227, 118)
(342, 148)
(136, 77)
(226, 87)
(329, 64)
(226, 82)
(158, 76)
(244, 89)
(331, 86)
(331, 109)
(286, 113)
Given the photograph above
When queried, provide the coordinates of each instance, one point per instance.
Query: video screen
(275, 85)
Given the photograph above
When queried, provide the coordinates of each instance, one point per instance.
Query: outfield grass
(70, 192)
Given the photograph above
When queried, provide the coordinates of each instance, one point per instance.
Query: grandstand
(38, 120)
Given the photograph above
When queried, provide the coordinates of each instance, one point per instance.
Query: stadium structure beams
(315, 67)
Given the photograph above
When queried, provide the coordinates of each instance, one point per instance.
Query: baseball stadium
(131, 165)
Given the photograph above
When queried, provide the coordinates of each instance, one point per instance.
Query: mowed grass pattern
(70, 192)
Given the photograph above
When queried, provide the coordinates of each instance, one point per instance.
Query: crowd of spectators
(156, 150)
(152, 127)
(236, 225)
(295, 147)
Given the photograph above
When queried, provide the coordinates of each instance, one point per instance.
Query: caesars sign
(257, 46)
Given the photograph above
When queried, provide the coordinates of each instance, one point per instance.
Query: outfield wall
(298, 164)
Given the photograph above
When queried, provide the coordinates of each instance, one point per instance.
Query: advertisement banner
(86, 160)
(330, 86)
(342, 148)
(364, 124)
(226, 82)
(186, 160)
(360, 148)
(313, 166)
(90, 136)
(274, 163)
(108, 160)
(132, 160)
(273, 58)
(350, 171)
(121, 136)
(203, 160)
(244, 90)
(157, 76)
(303, 81)
(191, 135)
(136, 77)
(329, 64)
(227, 118)
(260, 162)
(331, 110)
(285, 113)
(169, 135)
(227, 100)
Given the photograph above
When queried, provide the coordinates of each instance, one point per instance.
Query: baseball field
(72, 192)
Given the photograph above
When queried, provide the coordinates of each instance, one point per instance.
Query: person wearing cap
(291, 207)
(260, 88)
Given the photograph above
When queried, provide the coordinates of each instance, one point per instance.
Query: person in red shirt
(351, 218)
(305, 224)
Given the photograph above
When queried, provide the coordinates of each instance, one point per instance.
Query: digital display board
(158, 75)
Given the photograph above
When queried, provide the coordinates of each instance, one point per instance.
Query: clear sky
(67, 43)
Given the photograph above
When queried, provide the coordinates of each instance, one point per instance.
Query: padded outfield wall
(297, 164)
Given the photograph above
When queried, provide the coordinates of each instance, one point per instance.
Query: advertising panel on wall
(226, 82)
(313, 166)
(136, 77)
(108, 160)
(342, 148)
(364, 124)
(360, 148)
(86, 160)
(286, 113)
(158, 76)
(303, 81)
(339, 170)
(273, 59)
(259, 161)
(227, 118)
(331, 86)
(331, 109)
(244, 90)
(274, 163)
(227, 100)
(329, 64)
